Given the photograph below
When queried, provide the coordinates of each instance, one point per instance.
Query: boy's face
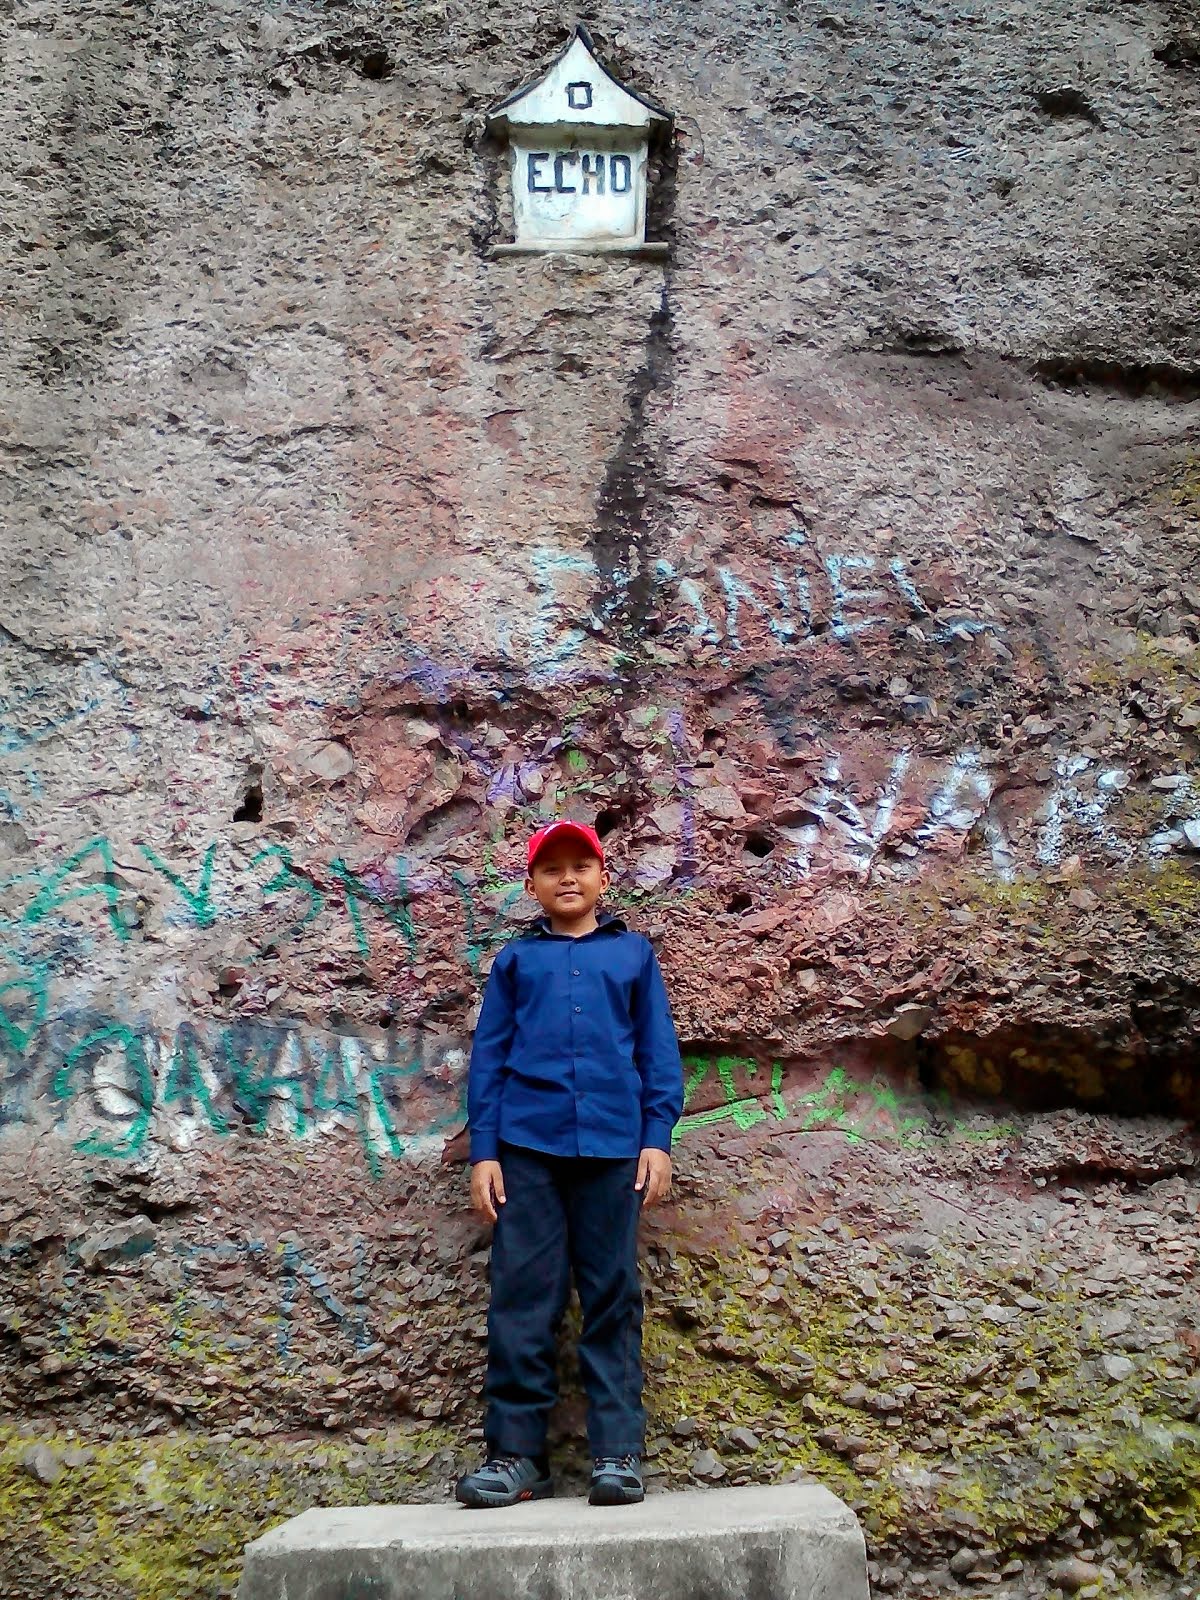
(566, 879)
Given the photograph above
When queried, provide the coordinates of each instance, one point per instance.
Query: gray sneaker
(503, 1481)
(616, 1481)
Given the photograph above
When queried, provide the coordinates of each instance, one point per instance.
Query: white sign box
(579, 148)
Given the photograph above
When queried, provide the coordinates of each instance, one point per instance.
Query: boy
(575, 1086)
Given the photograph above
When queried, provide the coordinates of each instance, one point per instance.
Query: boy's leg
(530, 1279)
(602, 1221)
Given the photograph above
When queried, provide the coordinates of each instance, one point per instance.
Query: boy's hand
(654, 1176)
(487, 1188)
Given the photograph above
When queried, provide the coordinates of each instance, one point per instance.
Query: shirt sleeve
(489, 1060)
(656, 1053)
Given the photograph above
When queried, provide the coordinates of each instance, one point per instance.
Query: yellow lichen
(167, 1518)
(1185, 491)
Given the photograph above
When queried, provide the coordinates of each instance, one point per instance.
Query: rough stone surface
(843, 567)
(743, 1544)
(121, 1241)
(42, 1463)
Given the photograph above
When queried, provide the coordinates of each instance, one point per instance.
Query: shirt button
(579, 1008)
(575, 972)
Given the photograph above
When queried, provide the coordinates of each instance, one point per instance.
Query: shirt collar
(606, 922)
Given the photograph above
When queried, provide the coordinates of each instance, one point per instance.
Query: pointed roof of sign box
(576, 88)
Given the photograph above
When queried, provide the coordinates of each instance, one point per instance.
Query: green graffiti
(742, 1109)
(391, 1092)
(143, 1096)
(477, 944)
(957, 1124)
(395, 1145)
(185, 1081)
(826, 1107)
(36, 987)
(288, 878)
(338, 1097)
(199, 899)
(859, 1110)
(483, 926)
(336, 1092)
(397, 910)
(334, 1089)
(699, 1071)
(376, 1079)
(887, 1102)
(255, 1082)
(49, 898)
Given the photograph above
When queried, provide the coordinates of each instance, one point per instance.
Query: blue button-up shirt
(575, 1052)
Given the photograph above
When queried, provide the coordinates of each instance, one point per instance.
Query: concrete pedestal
(796, 1542)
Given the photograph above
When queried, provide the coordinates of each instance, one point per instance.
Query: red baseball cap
(566, 830)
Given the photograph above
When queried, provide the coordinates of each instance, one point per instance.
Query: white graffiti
(1068, 803)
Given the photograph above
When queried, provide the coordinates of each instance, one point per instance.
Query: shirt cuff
(484, 1146)
(656, 1136)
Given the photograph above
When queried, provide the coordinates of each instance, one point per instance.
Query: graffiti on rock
(873, 1109)
(112, 1080)
(45, 711)
(90, 873)
(804, 597)
(835, 828)
(291, 1272)
(113, 1087)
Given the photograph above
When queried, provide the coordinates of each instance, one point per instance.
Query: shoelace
(628, 1463)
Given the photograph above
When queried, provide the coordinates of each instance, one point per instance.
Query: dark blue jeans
(565, 1215)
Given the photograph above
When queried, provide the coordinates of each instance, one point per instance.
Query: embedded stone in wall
(579, 146)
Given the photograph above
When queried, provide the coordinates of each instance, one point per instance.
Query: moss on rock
(167, 1517)
(999, 1423)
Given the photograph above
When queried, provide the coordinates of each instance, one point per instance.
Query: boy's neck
(575, 927)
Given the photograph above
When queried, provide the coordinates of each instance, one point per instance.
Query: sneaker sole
(616, 1497)
(481, 1500)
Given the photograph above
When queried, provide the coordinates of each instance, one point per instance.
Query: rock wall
(844, 569)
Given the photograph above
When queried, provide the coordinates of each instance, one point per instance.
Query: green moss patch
(168, 1517)
(1185, 491)
(935, 1412)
